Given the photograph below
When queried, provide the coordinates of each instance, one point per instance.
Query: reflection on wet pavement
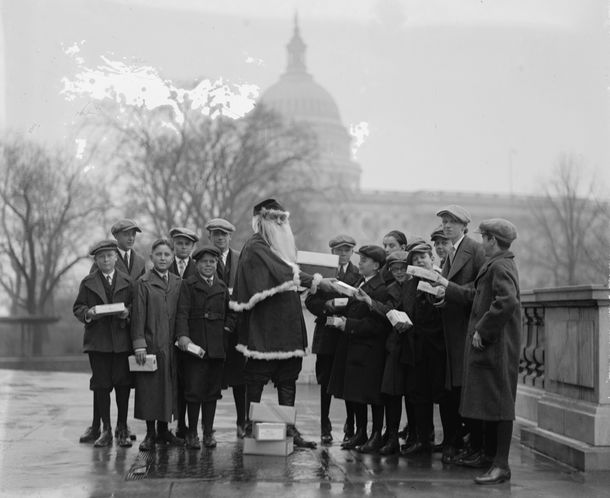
(42, 415)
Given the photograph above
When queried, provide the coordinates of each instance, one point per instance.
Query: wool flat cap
(267, 204)
(183, 232)
(374, 252)
(123, 225)
(341, 240)
(414, 242)
(397, 257)
(457, 212)
(103, 245)
(198, 254)
(220, 224)
(500, 228)
(438, 233)
(421, 248)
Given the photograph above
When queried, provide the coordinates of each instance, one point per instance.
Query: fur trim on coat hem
(274, 355)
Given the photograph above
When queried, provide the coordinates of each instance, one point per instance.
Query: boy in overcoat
(325, 339)
(359, 381)
(153, 332)
(491, 357)
(203, 318)
(107, 340)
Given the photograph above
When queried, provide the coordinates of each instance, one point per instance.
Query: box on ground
(269, 412)
(278, 448)
(149, 366)
(318, 262)
(269, 431)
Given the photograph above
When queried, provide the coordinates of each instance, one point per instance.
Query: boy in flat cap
(272, 333)
(442, 244)
(324, 345)
(152, 332)
(203, 318)
(359, 379)
(183, 265)
(129, 262)
(107, 340)
(491, 361)
(461, 267)
(219, 233)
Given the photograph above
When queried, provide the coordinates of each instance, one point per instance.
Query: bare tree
(573, 223)
(47, 205)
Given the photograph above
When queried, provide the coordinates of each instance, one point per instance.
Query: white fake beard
(279, 237)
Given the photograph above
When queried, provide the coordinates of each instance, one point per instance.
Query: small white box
(340, 302)
(149, 366)
(271, 412)
(333, 321)
(109, 309)
(395, 316)
(193, 349)
(318, 262)
(272, 448)
(426, 287)
(269, 431)
(420, 272)
(345, 289)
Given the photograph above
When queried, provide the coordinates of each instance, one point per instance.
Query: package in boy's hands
(344, 288)
(430, 289)
(149, 366)
(340, 302)
(420, 272)
(193, 349)
(333, 321)
(395, 317)
(109, 309)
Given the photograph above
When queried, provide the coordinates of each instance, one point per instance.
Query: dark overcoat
(227, 271)
(467, 262)
(152, 327)
(358, 376)
(109, 334)
(325, 338)
(489, 384)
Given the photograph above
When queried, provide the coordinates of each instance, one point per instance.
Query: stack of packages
(269, 422)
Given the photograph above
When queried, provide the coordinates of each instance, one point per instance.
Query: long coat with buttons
(109, 334)
(467, 262)
(357, 376)
(489, 384)
(152, 327)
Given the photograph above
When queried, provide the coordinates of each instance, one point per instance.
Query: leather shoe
(438, 448)
(298, 440)
(374, 443)
(240, 431)
(348, 432)
(192, 441)
(326, 439)
(148, 444)
(476, 460)
(132, 435)
(181, 431)
(449, 454)
(391, 447)
(356, 440)
(495, 475)
(209, 441)
(326, 436)
(167, 437)
(123, 439)
(402, 434)
(417, 449)
(90, 435)
(105, 439)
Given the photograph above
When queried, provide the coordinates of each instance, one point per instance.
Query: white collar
(457, 244)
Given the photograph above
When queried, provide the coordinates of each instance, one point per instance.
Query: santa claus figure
(272, 334)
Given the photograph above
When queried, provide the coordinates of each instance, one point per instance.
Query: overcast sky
(457, 94)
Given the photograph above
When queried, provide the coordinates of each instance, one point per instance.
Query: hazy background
(458, 95)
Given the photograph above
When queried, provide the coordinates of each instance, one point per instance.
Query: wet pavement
(42, 415)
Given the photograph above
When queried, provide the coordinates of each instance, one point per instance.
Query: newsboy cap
(103, 245)
(198, 254)
(341, 240)
(414, 242)
(500, 228)
(123, 225)
(457, 212)
(438, 233)
(421, 248)
(183, 232)
(397, 257)
(267, 204)
(374, 252)
(220, 224)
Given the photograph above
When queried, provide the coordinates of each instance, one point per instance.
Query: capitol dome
(297, 97)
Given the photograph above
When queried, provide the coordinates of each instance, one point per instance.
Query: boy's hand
(477, 342)
(183, 342)
(124, 314)
(90, 314)
(402, 327)
(140, 356)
